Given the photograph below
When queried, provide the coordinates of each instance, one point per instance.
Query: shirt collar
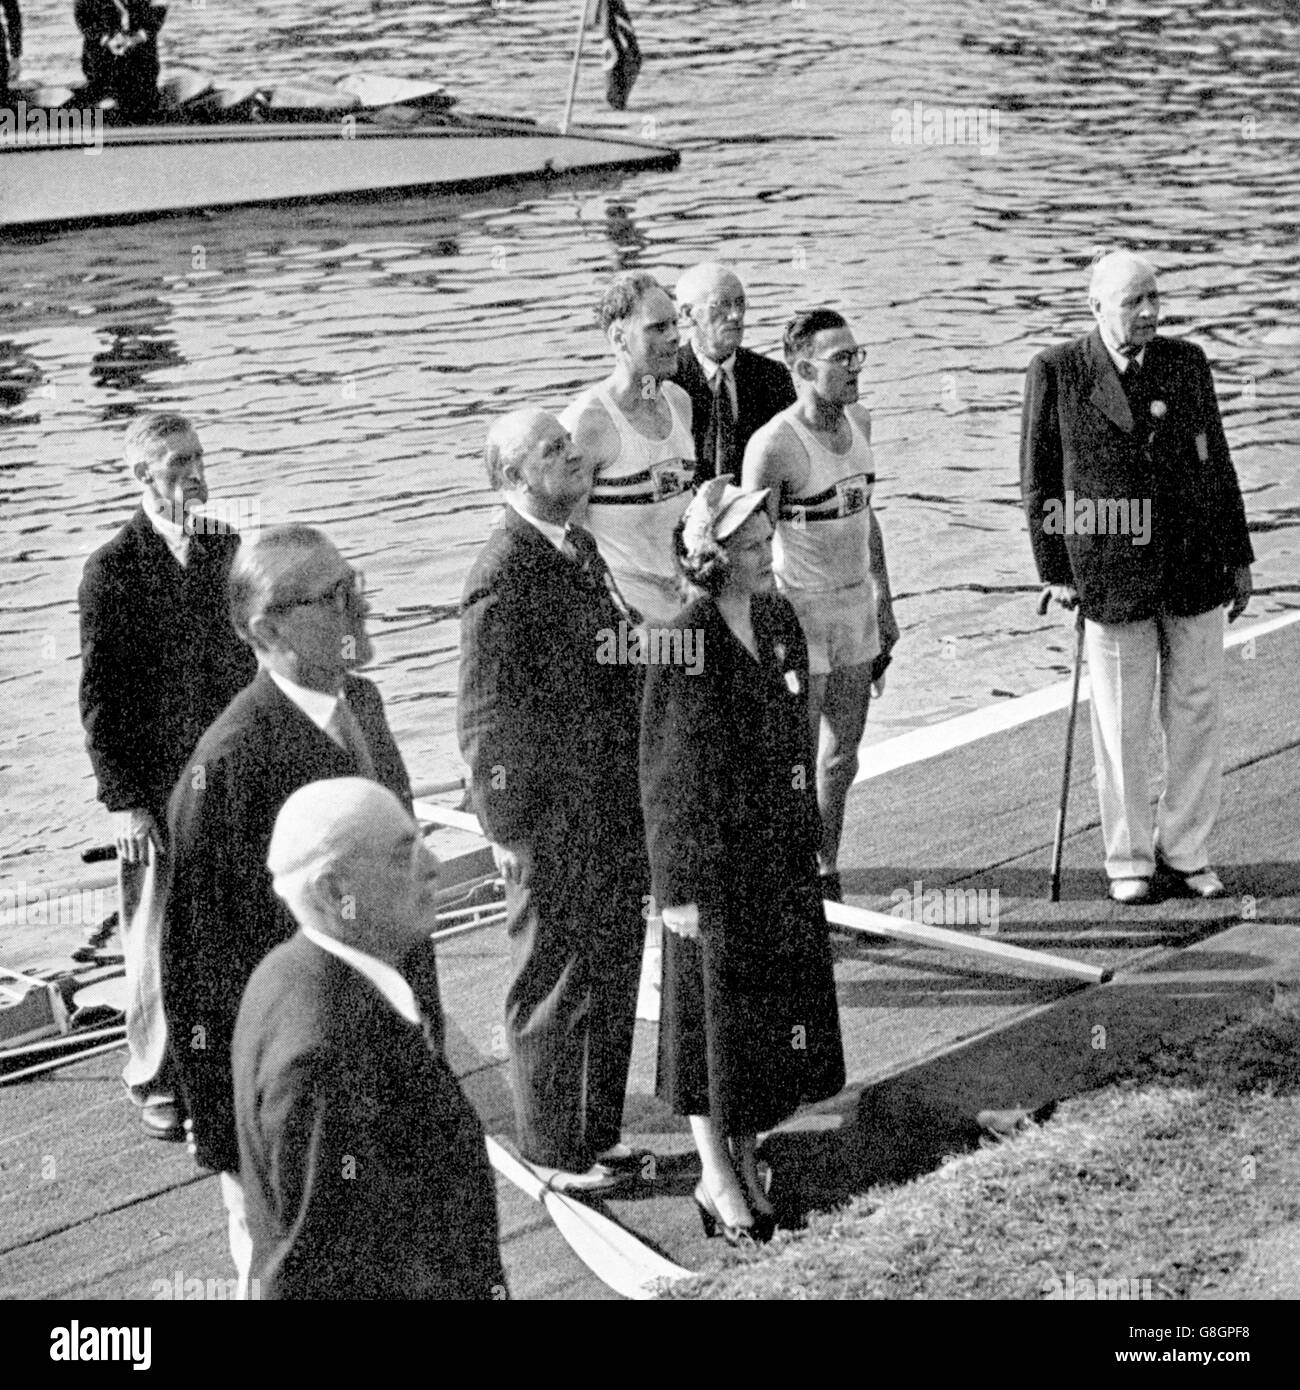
(175, 537)
(710, 367)
(385, 979)
(318, 707)
(1121, 362)
(555, 534)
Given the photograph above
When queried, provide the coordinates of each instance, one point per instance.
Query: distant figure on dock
(750, 1027)
(548, 725)
(1135, 514)
(830, 556)
(159, 661)
(733, 391)
(634, 430)
(119, 53)
(362, 1163)
(11, 44)
(306, 716)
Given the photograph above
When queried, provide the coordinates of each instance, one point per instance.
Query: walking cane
(1058, 844)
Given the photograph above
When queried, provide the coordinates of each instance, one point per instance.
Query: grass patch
(1168, 1176)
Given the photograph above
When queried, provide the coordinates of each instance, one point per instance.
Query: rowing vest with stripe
(822, 541)
(637, 500)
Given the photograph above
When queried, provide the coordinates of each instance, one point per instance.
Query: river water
(342, 362)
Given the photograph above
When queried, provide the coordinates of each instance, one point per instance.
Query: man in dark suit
(159, 661)
(548, 723)
(363, 1163)
(1135, 514)
(119, 53)
(305, 717)
(733, 391)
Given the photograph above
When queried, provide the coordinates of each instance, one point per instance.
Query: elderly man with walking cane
(1136, 516)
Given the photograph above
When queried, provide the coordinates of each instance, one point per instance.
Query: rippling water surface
(342, 362)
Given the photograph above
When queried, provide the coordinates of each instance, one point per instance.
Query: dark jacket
(548, 729)
(1082, 442)
(363, 1165)
(763, 387)
(159, 659)
(221, 915)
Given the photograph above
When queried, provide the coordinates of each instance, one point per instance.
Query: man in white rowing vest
(634, 429)
(828, 555)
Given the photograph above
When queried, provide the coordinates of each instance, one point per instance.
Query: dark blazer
(546, 728)
(221, 915)
(763, 387)
(1082, 440)
(549, 729)
(363, 1165)
(159, 659)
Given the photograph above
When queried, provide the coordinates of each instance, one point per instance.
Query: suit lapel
(1106, 392)
(317, 750)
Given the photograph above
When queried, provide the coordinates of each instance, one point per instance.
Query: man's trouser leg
(1191, 714)
(1122, 664)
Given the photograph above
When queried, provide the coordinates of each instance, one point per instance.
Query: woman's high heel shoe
(758, 1232)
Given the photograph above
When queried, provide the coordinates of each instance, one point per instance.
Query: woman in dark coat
(750, 1026)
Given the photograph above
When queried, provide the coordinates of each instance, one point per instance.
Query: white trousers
(1128, 663)
(140, 903)
(241, 1239)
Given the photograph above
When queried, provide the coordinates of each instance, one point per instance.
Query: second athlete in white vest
(828, 555)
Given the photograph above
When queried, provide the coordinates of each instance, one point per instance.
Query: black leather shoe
(162, 1120)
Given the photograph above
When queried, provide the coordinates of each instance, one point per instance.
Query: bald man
(733, 391)
(364, 1167)
(1135, 515)
(550, 727)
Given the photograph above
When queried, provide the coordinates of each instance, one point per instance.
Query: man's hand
(1064, 594)
(510, 860)
(135, 833)
(878, 686)
(1242, 588)
(684, 921)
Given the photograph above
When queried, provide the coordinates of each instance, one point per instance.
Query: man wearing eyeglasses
(733, 391)
(828, 554)
(305, 717)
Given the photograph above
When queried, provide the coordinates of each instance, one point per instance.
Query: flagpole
(573, 76)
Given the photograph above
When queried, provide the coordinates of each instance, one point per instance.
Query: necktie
(346, 732)
(722, 428)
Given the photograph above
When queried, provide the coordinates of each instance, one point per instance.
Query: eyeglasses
(724, 308)
(849, 358)
(349, 589)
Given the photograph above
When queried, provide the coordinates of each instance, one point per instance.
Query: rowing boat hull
(174, 169)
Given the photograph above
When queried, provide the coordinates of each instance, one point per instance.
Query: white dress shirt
(557, 535)
(710, 368)
(318, 707)
(176, 537)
